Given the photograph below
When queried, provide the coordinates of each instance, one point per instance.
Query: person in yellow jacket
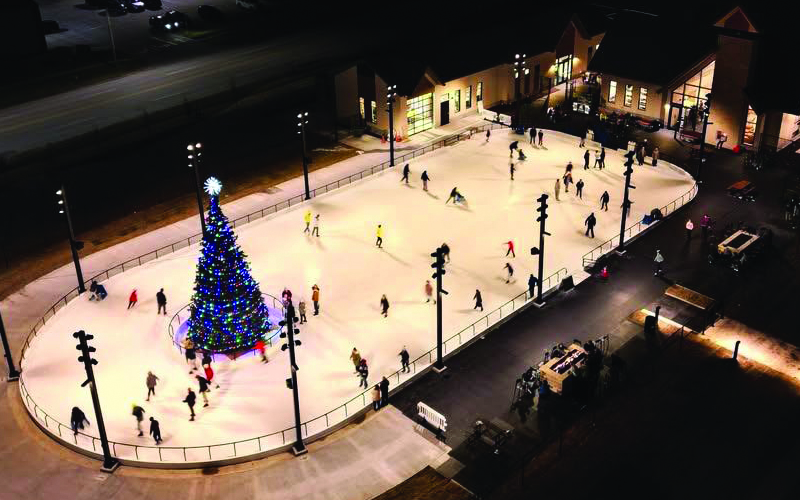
(307, 220)
(379, 234)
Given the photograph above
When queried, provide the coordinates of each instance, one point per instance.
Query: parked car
(169, 21)
(211, 14)
(134, 5)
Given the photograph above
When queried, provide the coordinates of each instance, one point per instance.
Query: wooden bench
(432, 417)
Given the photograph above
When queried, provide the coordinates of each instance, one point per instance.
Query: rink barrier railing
(591, 257)
(276, 442)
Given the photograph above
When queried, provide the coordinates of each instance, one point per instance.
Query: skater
(301, 308)
(579, 188)
(363, 373)
(659, 259)
(655, 156)
(521, 155)
(209, 374)
(202, 384)
(161, 300)
(429, 292)
(640, 155)
(138, 412)
(425, 180)
(557, 188)
(151, 382)
(286, 296)
(207, 360)
(488, 134)
(406, 171)
(155, 430)
(190, 400)
(533, 135)
(315, 298)
(384, 306)
(376, 397)
(541, 137)
(689, 228)
(604, 201)
(132, 299)
(532, 285)
(705, 223)
(511, 169)
(510, 249)
(307, 220)
(602, 157)
(445, 251)
(404, 358)
(384, 385)
(478, 300)
(590, 222)
(98, 291)
(189, 352)
(379, 234)
(261, 347)
(510, 272)
(76, 419)
(315, 231)
(454, 194)
(567, 181)
(586, 160)
(583, 139)
(355, 357)
(511, 147)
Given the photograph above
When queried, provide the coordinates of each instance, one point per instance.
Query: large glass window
(456, 96)
(361, 109)
(693, 91)
(749, 137)
(642, 98)
(628, 95)
(374, 109)
(612, 91)
(563, 69)
(479, 92)
(468, 97)
(420, 113)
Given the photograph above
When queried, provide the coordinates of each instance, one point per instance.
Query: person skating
(557, 188)
(355, 357)
(384, 306)
(363, 372)
(161, 300)
(307, 220)
(659, 259)
(77, 419)
(597, 163)
(379, 234)
(511, 147)
(190, 400)
(521, 155)
(206, 360)
(261, 347)
(429, 292)
(510, 248)
(376, 397)
(567, 181)
(138, 412)
(286, 296)
(151, 382)
(203, 389)
(533, 135)
(689, 228)
(406, 172)
(532, 285)
(488, 134)
(604, 201)
(541, 138)
(189, 352)
(315, 231)
(583, 139)
(384, 385)
(453, 194)
(655, 156)
(586, 160)
(590, 222)
(132, 299)
(425, 180)
(155, 430)
(510, 270)
(98, 291)
(446, 251)
(209, 374)
(705, 222)
(404, 359)
(315, 299)
(511, 169)
(602, 157)
(478, 300)
(579, 188)
(301, 308)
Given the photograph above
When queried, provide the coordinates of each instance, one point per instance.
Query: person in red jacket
(132, 300)
(262, 349)
(510, 248)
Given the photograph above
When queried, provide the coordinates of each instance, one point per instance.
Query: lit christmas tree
(228, 310)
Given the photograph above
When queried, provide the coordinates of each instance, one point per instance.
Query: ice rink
(352, 274)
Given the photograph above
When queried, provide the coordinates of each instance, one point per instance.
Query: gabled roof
(737, 20)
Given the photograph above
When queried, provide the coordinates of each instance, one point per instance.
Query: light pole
(390, 97)
(626, 202)
(706, 113)
(110, 464)
(519, 70)
(540, 251)
(303, 117)
(13, 373)
(299, 447)
(195, 152)
(73, 244)
(111, 36)
(438, 264)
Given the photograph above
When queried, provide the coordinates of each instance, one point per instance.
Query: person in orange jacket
(132, 299)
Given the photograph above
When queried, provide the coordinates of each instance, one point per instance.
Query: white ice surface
(352, 274)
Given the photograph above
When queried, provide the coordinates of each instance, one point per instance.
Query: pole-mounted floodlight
(391, 94)
(301, 123)
(74, 245)
(195, 151)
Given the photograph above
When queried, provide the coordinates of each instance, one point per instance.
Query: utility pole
(74, 245)
(540, 251)
(390, 97)
(438, 265)
(519, 69)
(299, 447)
(303, 117)
(110, 464)
(195, 152)
(626, 202)
(13, 373)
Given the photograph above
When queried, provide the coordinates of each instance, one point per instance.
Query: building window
(694, 90)
(420, 113)
(374, 109)
(457, 97)
(468, 97)
(361, 108)
(563, 69)
(628, 95)
(642, 98)
(479, 92)
(749, 137)
(612, 91)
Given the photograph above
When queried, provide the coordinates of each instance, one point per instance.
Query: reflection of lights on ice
(213, 186)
